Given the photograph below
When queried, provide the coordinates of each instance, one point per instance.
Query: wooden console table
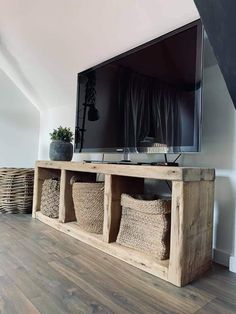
(191, 214)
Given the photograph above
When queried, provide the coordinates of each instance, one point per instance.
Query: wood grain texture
(191, 230)
(66, 205)
(217, 306)
(45, 271)
(114, 186)
(151, 172)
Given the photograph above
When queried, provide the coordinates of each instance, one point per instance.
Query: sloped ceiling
(44, 44)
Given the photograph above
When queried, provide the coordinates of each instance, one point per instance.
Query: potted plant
(61, 148)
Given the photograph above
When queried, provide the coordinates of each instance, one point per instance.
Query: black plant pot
(61, 151)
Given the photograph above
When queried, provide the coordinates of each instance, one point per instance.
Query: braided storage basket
(50, 198)
(88, 203)
(145, 225)
(16, 190)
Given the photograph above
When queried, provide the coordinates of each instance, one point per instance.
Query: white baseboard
(221, 257)
(232, 264)
(224, 258)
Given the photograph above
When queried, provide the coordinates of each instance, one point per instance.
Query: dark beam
(219, 19)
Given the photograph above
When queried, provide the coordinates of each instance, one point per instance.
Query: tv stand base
(192, 200)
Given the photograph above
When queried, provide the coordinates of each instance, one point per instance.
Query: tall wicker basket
(50, 198)
(88, 200)
(16, 190)
(145, 225)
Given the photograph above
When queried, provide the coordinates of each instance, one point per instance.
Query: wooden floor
(45, 271)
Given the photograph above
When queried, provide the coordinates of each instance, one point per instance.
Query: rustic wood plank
(142, 171)
(191, 230)
(37, 192)
(66, 207)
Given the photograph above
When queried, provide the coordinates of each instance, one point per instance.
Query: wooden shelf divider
(191, 214)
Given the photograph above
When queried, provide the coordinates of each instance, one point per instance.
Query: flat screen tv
(145, 100)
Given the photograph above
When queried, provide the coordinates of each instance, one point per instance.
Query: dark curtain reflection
(135, 110)
(151, 111)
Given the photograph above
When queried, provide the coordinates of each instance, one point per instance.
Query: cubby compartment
(88, 200)
(67, 212)
(115, 185)
(126, 229)
(68, 216)
(67, 221)
(43, 174)
(145, 225)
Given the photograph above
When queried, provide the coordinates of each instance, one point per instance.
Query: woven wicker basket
(16, 190)
(145, 225)
(88, 203)
(50, 198)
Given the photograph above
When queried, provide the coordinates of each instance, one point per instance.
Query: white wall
(19, 126)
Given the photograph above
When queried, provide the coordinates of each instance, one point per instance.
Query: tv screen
(145, 100)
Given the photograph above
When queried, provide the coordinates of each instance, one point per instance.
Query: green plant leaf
(62, 134)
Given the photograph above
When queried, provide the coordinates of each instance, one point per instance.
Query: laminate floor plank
(63, 291)
(12, 300)
(115, 279)
(222, 287)
(45, 271)
(217, 306)
(183, 299)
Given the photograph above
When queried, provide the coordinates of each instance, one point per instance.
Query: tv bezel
(196, 147)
